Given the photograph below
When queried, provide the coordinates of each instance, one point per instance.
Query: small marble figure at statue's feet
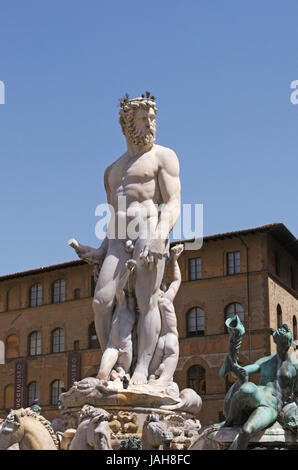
(117, 373)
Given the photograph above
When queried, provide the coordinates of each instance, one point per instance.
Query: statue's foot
(138, 378)
(117, 374)
(102, 376)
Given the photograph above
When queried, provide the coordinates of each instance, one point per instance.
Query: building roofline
(42, 270)
(278, 230)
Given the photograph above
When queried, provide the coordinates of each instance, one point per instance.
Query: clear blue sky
(221, 72)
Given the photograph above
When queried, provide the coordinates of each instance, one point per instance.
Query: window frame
(36, 395)
(196, 332)
(36, 295)
(61, 335)
(59, 291)
(53, 391)
(279, 321)
(197, 269)
(201, 390)
(236, 264)
(37, 344)
(230, 315)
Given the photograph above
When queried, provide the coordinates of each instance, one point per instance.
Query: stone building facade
(46, 318)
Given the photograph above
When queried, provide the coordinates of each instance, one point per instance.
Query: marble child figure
(166, 355)
(119, 352)
(140, 182)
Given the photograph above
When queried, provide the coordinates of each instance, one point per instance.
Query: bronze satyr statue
(256, 407)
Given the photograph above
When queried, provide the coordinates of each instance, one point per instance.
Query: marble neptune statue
(143, 189)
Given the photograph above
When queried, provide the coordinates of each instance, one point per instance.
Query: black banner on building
(20, 384)
(73, 368)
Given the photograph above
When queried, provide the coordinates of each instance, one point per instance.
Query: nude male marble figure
(147, 176)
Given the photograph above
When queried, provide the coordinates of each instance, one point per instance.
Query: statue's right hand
(86, 253)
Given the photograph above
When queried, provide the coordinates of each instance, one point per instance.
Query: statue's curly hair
(128, 109)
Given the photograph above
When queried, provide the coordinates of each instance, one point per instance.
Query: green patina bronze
(36, 406)
(255, 407)
(131, 443)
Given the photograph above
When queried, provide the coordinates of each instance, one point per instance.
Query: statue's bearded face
(144, 129)
(139, 126)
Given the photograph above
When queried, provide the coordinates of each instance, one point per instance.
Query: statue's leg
(149, 324)
(244, 397)
(158, 355)
(106, 288)
(170, 359)
(260, 419)
(125, 358)
(108, 360)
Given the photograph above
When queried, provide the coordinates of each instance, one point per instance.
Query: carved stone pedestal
(129, 422)
(137, 412)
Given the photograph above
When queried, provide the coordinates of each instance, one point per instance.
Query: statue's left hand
(153, 251)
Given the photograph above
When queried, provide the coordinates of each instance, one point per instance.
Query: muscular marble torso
(138, 180)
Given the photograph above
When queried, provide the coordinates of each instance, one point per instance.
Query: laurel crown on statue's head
(144, 100)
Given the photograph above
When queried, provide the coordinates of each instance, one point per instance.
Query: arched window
(194, 269)
(58, 340)
(57, 387)
(233, 262)
(195, 322)
(12, 346)
(234, 309)
(93, 341)
(59, 291)
(294, 328)
(33, 392)
(196, 379)
(35, 343)
(279, 316)
(9, 396)
(36, 295)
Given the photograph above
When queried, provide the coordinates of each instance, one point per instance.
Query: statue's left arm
(169, 186)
